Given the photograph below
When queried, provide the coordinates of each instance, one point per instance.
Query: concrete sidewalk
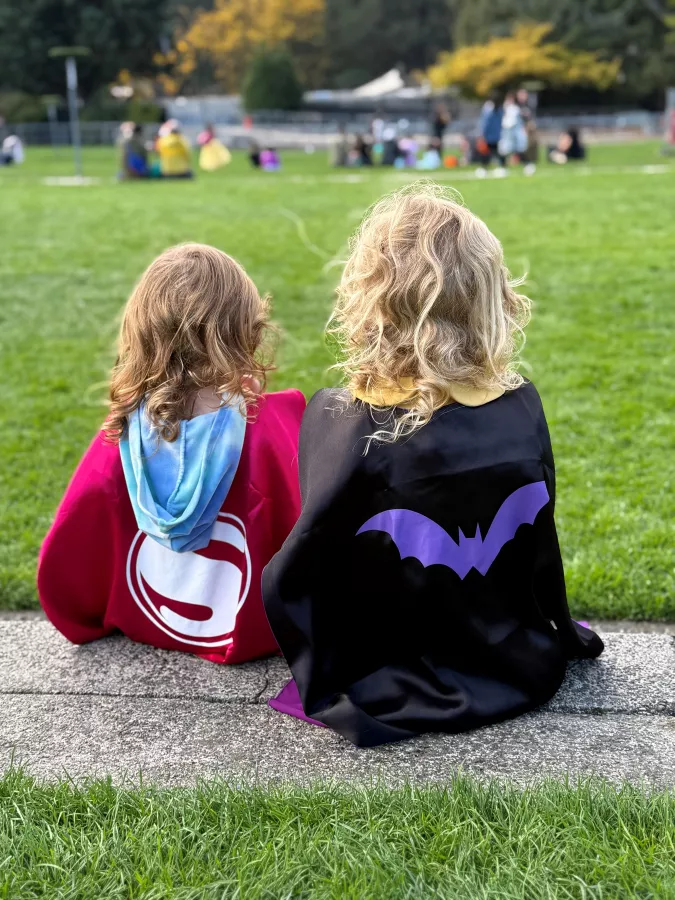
(118, 708)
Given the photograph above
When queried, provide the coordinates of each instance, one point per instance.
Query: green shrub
(271, 81)
(17, 106)
(103, 107)
(139, 110)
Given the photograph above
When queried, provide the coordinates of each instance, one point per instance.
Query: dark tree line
(365, 38)
(119, 33)
(362, 38)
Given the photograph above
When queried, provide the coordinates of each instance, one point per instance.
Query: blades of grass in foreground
(218, 840)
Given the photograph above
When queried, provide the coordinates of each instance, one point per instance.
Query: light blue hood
(178, 488)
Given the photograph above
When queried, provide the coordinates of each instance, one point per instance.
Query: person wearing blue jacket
(491, 126)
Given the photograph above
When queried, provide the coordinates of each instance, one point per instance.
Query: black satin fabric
(384, 649)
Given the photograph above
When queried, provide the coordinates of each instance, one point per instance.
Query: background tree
(505, 62)
(365, 38)
(120, 34)
(271, 81)
(636, 31)
(229, 35)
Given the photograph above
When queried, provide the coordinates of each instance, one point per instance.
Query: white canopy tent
(388, 83)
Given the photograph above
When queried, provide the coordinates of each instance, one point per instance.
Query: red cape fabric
(99, 574)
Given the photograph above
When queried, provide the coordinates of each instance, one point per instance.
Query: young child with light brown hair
(191, 484)
(422, 588)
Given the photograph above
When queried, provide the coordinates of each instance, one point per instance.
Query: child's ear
(251, 383)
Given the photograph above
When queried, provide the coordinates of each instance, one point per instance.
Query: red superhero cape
(98, 573)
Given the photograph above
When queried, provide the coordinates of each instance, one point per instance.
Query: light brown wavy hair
(425, 296)
(195, 320)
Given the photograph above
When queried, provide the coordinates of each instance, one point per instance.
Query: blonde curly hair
(195, 320)
(426, 301)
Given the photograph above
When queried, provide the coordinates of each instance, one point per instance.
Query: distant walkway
(115, 707)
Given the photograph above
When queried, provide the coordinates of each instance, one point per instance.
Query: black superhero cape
(422, 587)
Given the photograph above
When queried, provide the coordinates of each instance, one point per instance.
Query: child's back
(182, 499)
(422, 588)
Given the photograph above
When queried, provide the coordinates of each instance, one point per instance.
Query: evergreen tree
(366, 38)
(119, 33)
(271, 81)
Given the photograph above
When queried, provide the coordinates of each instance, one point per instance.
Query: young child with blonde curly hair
(191, 485)
(422, 588)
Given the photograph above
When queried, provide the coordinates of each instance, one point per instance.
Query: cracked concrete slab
(36, 659)
(119, 708)
(636, 673)
(174, 742)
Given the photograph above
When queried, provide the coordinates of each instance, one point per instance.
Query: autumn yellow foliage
(508, 61)
(230, 33)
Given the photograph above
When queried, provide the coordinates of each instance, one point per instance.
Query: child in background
(422, 588)
(173, 149)
(490, 127)
(135, 155)
(12, 151)
(191, 485)
(432, 155)
(270, 160)
(513, 139)
(214, 154)
(254, 154)
(340, 149)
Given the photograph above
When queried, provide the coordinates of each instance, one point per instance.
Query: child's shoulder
(275, 415)
(289, 404)
(329, 399)
(99, 472)
(102, 458)
(529, 395)
(329, 404)
(520, 405)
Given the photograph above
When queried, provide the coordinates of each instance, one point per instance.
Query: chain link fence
(302, 129)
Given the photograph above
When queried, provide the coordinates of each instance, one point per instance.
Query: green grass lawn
(466, 841)
(597, 242)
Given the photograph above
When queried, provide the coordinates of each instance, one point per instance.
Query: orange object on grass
(450, 162)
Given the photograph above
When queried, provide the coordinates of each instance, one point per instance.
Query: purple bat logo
(417, 536)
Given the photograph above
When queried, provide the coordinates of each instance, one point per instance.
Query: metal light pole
(70, 54)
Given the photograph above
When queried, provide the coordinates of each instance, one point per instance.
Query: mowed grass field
(464, 842)
(596, 240)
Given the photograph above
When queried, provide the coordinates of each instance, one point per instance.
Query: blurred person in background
(134, 153)
(13, 153)
(490, 128)
(569, 147)
(523, 101)
(513, 140)
(175, 157)
(431, 159)
(340, 149)
(440, 121)
(377, 127)
(389, 144)
(213, 154)
(407, 147)
(254, 154)
(361, 151)
(531, 155)
(270, 160)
